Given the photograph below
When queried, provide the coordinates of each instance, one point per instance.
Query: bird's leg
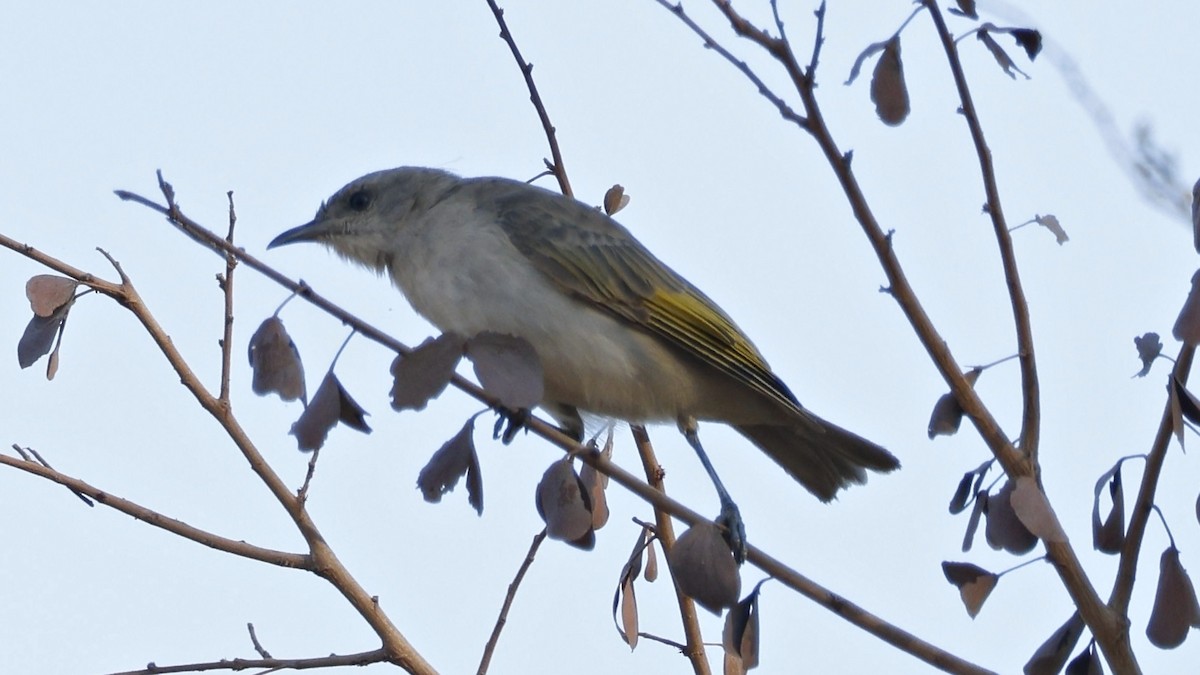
(730, 518)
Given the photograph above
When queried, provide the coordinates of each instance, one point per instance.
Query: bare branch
(331, 661)
(784, 109)
(226, 284)
(502, 619)
(1139, 516)
(694, 649)
(556, 165)
(257, 645)
(151, 517)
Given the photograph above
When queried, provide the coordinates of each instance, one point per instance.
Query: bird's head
(364, 221)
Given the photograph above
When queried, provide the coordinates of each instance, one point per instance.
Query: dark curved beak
(313, 231)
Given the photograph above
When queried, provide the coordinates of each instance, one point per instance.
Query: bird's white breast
(461, 273)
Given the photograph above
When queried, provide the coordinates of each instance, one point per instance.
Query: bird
(619, 334)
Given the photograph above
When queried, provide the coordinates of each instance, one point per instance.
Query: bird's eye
(359, 201)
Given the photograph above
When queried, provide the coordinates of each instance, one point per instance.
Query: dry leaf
(1109, 536)
(981, 502)
(1196, 215)
(564, 505)
(968, 487)
(1004, 529)
(704, 569)
(1187, 325)
(888, 90)
(425, 372)
(1087, 663)
(1149, 346)
(627, 621)
(629, 615)
(1189, 407)
(1033, 510)
(1051, 223)
(732, 665)
(962, 494)
(48, 293)
(615, 199)
(1176, 412)
(38, 338)
(974, 583)
(740, 636)
(330, 405)
(508, 368)
(1029, 39)
(52, 363)
(1175, 607)
(998, 52)
(947, 412)
(1050, 658)
(965, 8)
(276, 362)
(453, 460)
(651, 572)
(595, 483)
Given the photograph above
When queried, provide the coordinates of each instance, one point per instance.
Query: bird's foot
(732, 528)
(509, 423)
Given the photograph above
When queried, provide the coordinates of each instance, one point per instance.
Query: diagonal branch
(1140, 514)
(486, 661)
(152, 517)
(785, 110)
(1031, 420)
(556, 166)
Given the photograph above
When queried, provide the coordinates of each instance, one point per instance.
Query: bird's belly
(592, 360)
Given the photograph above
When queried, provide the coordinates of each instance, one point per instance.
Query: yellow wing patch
(592, 258)
(692, 322)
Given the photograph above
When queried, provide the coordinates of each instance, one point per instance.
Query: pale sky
(283, 103)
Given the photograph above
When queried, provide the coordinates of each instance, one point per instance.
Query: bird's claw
(509, 423)
(732, 528)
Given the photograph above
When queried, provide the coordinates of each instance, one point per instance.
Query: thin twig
(670, 643)
(156, 519)
(302, 493)
(785, 110)
(556, 164)
(254, 641)
(694, 649)
(226, 284)
(502, 619)
(41, 460)
(331, 661)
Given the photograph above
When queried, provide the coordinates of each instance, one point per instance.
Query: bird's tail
(822, 456)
